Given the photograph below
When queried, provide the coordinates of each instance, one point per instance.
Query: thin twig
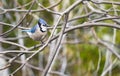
(12, 43)
(21, 20)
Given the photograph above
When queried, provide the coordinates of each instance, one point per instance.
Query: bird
(39, 31)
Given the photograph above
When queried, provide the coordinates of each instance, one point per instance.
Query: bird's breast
(38, 35)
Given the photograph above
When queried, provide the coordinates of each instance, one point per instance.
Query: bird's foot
(42, 43)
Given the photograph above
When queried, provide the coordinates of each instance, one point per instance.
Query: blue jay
(39, 31)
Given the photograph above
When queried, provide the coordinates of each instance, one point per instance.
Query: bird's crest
(41, 21)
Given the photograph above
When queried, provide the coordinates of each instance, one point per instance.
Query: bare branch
(21, 20)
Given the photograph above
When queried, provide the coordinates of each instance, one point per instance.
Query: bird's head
(42, 25)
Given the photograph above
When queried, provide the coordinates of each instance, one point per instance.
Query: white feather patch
(43, 28)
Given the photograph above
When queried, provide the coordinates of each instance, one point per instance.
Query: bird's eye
(44, 25)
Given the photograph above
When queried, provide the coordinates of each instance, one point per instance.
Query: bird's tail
(26, 30)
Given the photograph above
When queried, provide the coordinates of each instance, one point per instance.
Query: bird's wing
(34, 28)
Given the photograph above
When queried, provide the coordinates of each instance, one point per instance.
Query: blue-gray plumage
(38, 31)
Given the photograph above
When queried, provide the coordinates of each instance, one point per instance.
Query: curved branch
(12, 43)
(105, 2)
